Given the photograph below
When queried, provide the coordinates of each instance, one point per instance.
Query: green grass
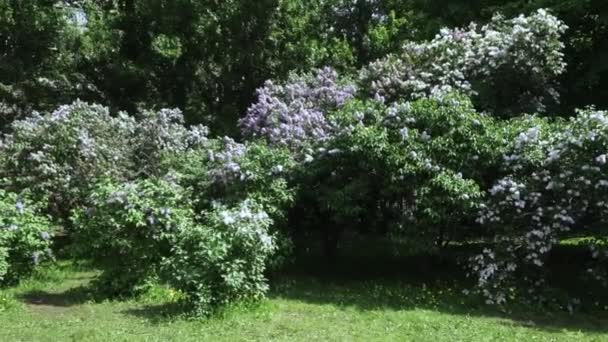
(345, 302)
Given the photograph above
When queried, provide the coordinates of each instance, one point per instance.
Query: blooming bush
(295, 112)
(159, 138)
(394, 167)
(223, 170)
(223, 260)
(556, 186)
(129, 228)
(511, 63)
(24, 238)
(147, 229)
(255, 171)
(58, 156)
(227, 172)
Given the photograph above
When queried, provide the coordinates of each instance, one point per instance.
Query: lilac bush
(557, 185)
(296, 111)
(24, 238)
(59, 155)
(161, 136)
(128, 228)
(406, 169)
(477, 59)
(223, 260)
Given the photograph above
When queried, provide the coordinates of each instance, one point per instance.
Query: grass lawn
(351, 301)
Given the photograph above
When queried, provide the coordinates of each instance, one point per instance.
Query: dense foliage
(208, 58)
(58, 156)
(511, 64)
(223, 260)
(556, 185)
(129, 229)
(25, 238)
(448, 139)
(61, 155)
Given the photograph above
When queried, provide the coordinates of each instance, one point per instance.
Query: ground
(354, 300)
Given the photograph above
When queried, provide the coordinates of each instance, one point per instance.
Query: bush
(223, 260)
(58, 156)
(295, 112)
(227, 172)
(512, 64)
(557, 187)
(24, 238)
(129, 228)
(147, 230)
(159, 139)
(405, 168)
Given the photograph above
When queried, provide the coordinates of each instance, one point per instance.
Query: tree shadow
(68, 298)
(379, 280)
(159, 313)
(430, 283)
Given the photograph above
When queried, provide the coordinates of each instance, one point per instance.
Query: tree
(35, 57)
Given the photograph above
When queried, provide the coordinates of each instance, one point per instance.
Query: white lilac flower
(425, 136)
(20, 207)
(227, 218)
(277, 169)
(404, 132)
(45, 236)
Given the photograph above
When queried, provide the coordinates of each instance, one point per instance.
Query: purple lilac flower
(294, 112)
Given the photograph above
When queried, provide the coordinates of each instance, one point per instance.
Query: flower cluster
(161, 133)
(534, 207)
(296, 111)
(528, 47)
(224, 163)
(56, 155)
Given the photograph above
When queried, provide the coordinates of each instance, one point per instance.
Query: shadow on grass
(67, 298)
(45, 298)
(159, 313)
(376, 280)
(384, 282)
(425, 282)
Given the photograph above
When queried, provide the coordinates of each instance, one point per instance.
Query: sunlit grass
(354, 299)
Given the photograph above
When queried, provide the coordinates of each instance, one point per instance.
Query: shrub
(253, 171)
(223, 260)
(159, 138)
(295, 112)
(58, 156)
(512, 63)
(129, 228)
(147, 230)
(228, 172)
(557, 186)
(24, 238)
(393, 167)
